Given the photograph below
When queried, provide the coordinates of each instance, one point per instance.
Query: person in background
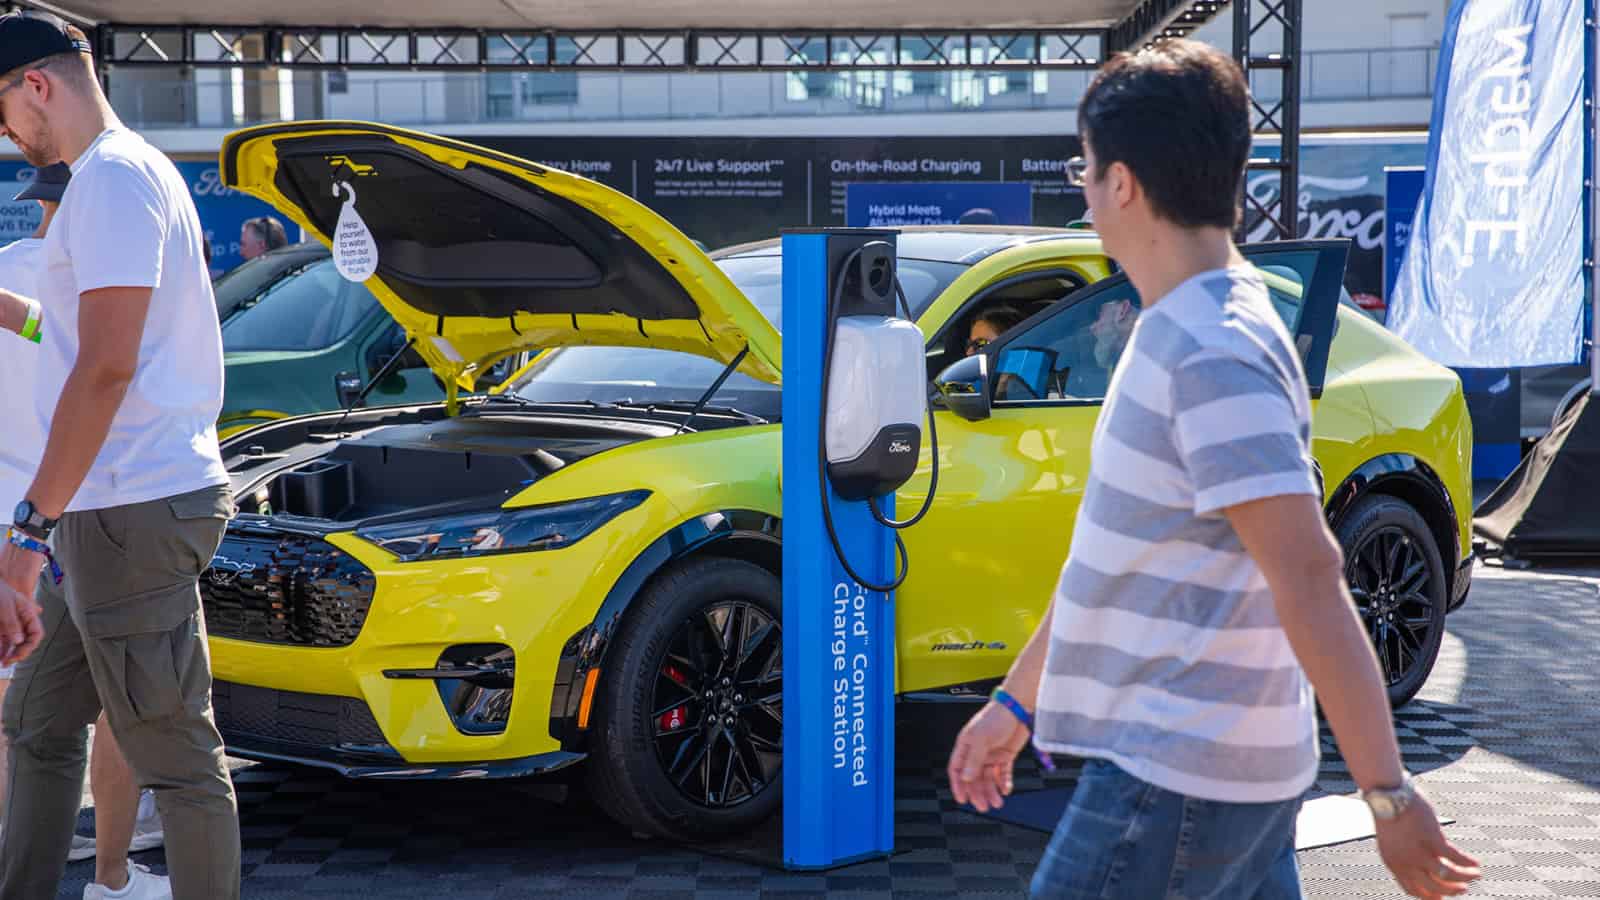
(1203, 596)
(1111, 330)
(987, 328)
(130, 498)
(258, 235)
(125, 821)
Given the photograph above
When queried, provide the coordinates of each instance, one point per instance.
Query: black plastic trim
(1403, 467)
(358, 764)
(586, 650)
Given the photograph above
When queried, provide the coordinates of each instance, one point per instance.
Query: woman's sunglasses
(977, 344)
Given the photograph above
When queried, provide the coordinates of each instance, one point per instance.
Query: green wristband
(32, 327)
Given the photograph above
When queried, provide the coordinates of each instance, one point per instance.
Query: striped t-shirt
(1166, 656)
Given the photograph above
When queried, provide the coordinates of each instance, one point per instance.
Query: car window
(310, 310)
(1286, 276)
(1069, 356)
(643, 375)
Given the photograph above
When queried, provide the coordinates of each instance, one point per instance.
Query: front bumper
(339, 733)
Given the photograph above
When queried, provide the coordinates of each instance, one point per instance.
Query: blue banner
(891, 204)
(1402, 188)
(1494, 275)
(222, 210)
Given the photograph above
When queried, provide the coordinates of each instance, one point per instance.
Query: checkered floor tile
(1505, 738)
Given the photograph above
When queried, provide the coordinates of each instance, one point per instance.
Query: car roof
(964, 244)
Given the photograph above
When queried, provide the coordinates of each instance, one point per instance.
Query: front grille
(246, 714)
(285, 589)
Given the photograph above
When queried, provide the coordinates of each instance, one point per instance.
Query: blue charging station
(838, 639)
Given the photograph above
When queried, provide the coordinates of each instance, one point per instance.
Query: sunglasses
(977, 344)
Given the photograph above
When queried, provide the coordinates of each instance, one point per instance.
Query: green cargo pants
(123, 632)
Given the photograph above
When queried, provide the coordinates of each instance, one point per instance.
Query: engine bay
(384, 462)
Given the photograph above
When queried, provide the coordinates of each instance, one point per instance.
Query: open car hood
(481, 255)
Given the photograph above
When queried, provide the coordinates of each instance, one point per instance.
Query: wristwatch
(1389, 803)
(28, 520)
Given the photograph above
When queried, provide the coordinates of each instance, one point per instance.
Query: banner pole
(1590, 183)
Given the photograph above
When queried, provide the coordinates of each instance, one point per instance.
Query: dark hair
(1001, 318)
(270, 230)
(1178, 116)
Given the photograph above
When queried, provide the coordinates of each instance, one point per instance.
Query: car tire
(1397, 578)
(637, 770)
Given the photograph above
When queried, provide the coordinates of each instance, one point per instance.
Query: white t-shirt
(23, 440)
(127, 220)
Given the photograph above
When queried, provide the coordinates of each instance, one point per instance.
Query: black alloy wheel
(718, 704)
(1397, 581)
(686, 737)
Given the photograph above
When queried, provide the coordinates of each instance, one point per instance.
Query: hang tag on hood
(355, 253)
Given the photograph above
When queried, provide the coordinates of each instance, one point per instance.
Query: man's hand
(1290, 541)
(1414, 849)
(982, 761)
(20, 628)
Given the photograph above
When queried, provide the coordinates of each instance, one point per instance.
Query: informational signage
(1402, 189)
(222, 210)
(890, 204)
(721, 190)
(18, 218)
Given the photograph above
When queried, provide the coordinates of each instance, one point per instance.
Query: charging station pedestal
(838, 639)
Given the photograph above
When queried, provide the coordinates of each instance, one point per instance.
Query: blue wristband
(18, 539)
(1000, 696)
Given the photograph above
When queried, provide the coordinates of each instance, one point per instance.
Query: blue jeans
(1126, 838)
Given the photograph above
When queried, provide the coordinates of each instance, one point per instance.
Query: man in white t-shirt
(130, 493)
(125, 819)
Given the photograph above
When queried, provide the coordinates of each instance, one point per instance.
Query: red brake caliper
(678, 716)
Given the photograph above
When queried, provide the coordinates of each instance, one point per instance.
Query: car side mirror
(964, 387)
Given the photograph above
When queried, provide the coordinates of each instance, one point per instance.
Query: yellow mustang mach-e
(582, 566)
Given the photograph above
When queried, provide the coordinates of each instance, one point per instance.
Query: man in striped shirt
(1203, 595)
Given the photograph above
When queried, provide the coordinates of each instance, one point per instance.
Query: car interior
(1027, 295)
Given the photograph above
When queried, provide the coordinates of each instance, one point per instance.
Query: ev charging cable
(822, 448)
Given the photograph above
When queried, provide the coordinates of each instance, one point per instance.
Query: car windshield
(310, 310)
(641, 375)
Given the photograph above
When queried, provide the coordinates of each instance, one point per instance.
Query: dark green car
(299, 338)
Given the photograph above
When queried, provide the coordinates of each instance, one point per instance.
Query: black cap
(26, 38)
(48, 183)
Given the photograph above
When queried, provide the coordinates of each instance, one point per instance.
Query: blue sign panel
(890, 204)
(838, 639)
(1402, 189)
(222, 210)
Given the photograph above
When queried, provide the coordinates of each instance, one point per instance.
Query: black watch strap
(32, 523)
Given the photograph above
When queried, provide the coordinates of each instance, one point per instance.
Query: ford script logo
(899, 447)
(224, 571)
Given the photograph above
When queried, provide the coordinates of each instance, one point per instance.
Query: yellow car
(583, 567)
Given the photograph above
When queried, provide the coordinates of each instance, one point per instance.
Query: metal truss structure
(1275, 106)
(1274, 72)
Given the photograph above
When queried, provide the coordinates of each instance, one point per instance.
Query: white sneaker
(142, 885)
(147, 833)
(147, 830)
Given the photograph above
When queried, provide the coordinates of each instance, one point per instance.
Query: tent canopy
(745, 15)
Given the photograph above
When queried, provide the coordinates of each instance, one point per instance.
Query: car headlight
(500, 530)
